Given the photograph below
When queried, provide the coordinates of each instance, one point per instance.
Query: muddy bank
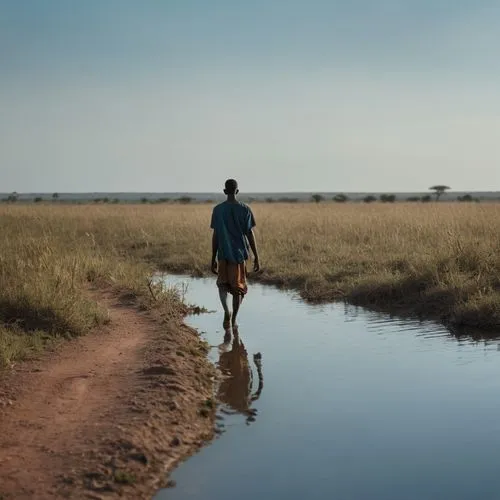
(108, 414)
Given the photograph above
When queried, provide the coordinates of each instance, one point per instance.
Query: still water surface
(343, 404)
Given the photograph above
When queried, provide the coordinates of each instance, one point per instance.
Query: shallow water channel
(343, 403)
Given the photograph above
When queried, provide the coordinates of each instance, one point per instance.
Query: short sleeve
(250, 220)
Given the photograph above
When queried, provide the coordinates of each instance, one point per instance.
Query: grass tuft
(124, 477)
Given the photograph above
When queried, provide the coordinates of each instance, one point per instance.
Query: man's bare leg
(227, 312)
(237, 298)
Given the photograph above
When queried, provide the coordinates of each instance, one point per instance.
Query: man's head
(231, 187)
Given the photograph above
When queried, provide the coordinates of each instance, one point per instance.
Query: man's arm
(253, 246)
(215, 246)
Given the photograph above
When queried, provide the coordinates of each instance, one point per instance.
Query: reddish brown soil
(108, 414)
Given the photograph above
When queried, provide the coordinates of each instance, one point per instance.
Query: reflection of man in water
(236, 385)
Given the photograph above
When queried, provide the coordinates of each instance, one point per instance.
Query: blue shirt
(232, 222)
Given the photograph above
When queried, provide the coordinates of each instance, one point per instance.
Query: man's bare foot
(227, 321)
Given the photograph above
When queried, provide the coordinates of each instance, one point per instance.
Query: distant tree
(426, 199)
(387, 198)
(468, 198)
(270, 200)
(13, 197)
(413, 198)
(115, 201)
(97, 200)
(340, 198)
(439, 190)
(144, 200)
(105, 200)
(369, 199)
(316, 198)
(55, 196)
(38, 199)
(185, 199)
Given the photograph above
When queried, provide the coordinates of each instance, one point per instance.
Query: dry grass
(48, 258)
(436, 260)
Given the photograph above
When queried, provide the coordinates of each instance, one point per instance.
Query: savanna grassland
(436, 260)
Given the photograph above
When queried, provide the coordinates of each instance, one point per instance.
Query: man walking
(232, 224)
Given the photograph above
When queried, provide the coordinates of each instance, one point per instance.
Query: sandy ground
(108, 414)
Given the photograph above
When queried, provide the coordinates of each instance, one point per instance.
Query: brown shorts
(232, 277)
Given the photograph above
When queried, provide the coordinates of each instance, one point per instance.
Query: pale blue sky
(177, 95)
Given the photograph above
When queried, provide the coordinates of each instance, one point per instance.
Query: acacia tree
(439, 190)
(55, 196)
(316, 198)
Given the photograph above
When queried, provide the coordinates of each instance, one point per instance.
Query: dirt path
(107, 414)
